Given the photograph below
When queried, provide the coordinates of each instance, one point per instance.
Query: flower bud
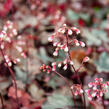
(65, 67)
(66, 49)
(82, 44)
(70, 32)
(86, 59)
(50, 39)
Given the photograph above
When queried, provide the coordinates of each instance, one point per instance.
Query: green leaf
(55, 82)
(72, 15)
(96, 8)
(57, 101)
(61, 55)
(95, 37)
(103, 63)
(103, 24)
(106, 95)
(75, 16)
(84, 16)
(101, 13)
(43, 56)
(20, 75)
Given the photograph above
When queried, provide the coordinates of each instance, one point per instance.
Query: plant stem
(27, 61)
(102, 98)
(68, 86)
(76, 73)
(12, 75)
(103, 102)
(2, 102)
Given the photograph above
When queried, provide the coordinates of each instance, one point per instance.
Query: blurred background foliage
(39, 19)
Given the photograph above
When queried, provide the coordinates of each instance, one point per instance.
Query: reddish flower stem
(12, 75)
(80, 67)
(68, 86)
(102, 98)
(2, 102)
(103, 102)
(27, 61)
(76, 73)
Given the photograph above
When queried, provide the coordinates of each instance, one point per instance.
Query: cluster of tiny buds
(77, 89)
(12, 31)
(8, 61)
(65, 63)
(78, 43)
(60, 41)
(45, 68)
(53, 68)
(59, 46)
(97, 88)
(69, 30)
(6, 37)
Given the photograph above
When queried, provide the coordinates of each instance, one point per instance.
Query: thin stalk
(79, 81)
(103, 101)
(76, 73)
(68, 86)
(2, 102)
(27, 61)
(80, 67)
(12, 75)
(102, 98)
(81, 84)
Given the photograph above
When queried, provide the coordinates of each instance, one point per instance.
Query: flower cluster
(77, 89)
(59, 64)
(9, 60)
(97, 88)
(64, 63)
(62, 39)
(8, 31)
(8, 41)
(45, 68)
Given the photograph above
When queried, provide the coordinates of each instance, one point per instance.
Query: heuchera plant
(97, 88)
(64, 39)
(7, 38)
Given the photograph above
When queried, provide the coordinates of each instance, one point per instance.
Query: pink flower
(97, 88)
(50, 39)
(82, 44)
(77, 89)
(70, 32)
(86, 59)
(45, 68)
(76, 42)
